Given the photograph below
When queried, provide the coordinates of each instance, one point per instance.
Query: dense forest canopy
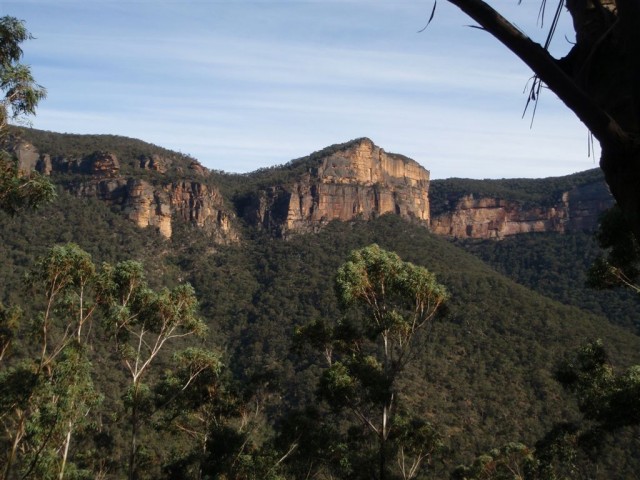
(489, 359)
(443, 194)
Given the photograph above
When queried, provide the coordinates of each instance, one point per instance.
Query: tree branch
(603, 127)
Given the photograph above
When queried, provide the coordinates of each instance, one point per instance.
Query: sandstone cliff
(350, 181)
(145, 201)
(482, 217)
(155, 188)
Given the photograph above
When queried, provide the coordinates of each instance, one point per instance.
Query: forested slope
(556, 266)
(483, 374)
(528, 191)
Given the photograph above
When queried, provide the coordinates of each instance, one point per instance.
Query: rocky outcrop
(154, 163)
(101, 164)
(358, 180)
(27, 156)
(148, 205)
(586, 204)
(355, 180)
(158, 207)
(204, 207)
(576, 209)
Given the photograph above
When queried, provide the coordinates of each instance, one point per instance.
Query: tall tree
(21, 92)
(386, 303)
(191, 396)
(620, 266)
(599, 80)
(45, 398)
(141, 322)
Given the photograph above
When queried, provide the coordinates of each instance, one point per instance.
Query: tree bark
(65, 450)
(133, 446)
(19, 434)
(599, 80)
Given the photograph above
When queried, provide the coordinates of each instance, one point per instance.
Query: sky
(246, 84)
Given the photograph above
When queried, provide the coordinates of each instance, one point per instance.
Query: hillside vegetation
(487, 367)
(481, 376)
(556, 266)
(443, 194)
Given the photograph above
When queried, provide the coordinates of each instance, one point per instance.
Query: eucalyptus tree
(386, 304)
(9, 323)
(141, 322)
(621, 264)
(194, 401)
(48, 395)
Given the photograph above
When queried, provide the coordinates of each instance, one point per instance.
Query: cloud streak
(242, 85)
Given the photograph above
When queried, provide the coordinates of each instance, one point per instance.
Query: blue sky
(243, 84)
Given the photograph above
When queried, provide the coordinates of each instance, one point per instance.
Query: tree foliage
(21, 92)
(141, 322)
(608, 402)
(621, 265)
(18, 190)
(558, 267)
(609, 399)
(386, 303)
(484, 380)
(47, 397)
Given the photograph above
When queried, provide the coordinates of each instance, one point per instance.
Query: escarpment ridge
(356, 180)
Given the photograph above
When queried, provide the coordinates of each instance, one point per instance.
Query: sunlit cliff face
(360, 181)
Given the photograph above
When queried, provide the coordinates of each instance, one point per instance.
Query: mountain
(344, 182)
(484, 374)
(150, 186)
(354, 180)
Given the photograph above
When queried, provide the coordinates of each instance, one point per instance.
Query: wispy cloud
(246, 84)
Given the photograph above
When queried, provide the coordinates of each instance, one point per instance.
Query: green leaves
(621, 265)
(611, 399)
(18, 190)
(47, 398)
(22, 94)
(21, 190)
(142, 321)
(65, 266)
(130, 304)
(383, 284)
(368, 276)
(9, 323)
(512, 461)
(385, 302)
(395, 298)
(337, 386)
(12, 33)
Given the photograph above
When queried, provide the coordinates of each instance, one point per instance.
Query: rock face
(27, 156)
(159, 206)
(101, 164)
(577, 209)
(355, 180)
(204, 207)
(155, 205)
(359, 180)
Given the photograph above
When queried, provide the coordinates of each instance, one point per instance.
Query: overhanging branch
(603, 127)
